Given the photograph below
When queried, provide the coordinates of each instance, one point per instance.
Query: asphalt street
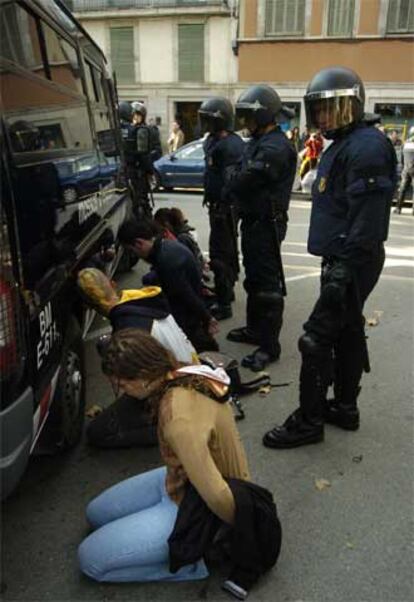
(350, 540)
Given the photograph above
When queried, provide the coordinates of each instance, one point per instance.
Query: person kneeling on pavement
(127, 422)
(179, 276)
(159, 525)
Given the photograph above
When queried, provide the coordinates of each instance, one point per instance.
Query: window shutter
(284, 17)
(122, 54)
(191, 53)
(341, 17)
(400, 16)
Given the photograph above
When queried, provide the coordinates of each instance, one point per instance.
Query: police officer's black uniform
(349, 221)
(138, 165)
(223, 151)
(262, 188)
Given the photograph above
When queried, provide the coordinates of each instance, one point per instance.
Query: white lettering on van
(48, 334)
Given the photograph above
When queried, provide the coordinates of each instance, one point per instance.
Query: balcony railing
(90, 5)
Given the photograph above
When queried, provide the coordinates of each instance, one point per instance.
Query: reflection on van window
(42, 118)
(63, 60)
(19, 41)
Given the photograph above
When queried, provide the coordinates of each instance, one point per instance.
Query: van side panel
(16, 424)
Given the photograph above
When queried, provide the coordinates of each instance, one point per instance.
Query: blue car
(83, 175)
(182, 169)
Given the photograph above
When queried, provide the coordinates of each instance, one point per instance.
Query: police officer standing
(139, 119)
(223, 151)
(262, 188)
(349, 222)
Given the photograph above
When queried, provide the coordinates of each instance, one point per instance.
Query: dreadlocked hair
(133, 353)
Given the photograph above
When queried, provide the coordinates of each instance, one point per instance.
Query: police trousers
(338, 352)
(224, 260)
(262, 264)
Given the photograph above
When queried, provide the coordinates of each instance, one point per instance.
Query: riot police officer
(262, 188)
(349, 222)
(223, 151)
(139, 119)
(137, 161)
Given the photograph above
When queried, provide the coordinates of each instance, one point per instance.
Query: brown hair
(133, 353)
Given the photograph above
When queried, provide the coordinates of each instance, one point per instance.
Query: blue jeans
(133, 521)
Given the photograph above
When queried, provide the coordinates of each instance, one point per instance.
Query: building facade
(284, 42)
(170, 54)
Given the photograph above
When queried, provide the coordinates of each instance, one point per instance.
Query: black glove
(335, 282)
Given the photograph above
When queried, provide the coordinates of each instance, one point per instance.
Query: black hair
(132, 229)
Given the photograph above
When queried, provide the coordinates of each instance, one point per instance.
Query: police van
(62, 203)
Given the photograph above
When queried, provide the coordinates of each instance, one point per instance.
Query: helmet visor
(245, 119)
(334, 113)
(210, 123)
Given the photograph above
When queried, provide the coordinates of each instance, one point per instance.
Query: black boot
(294, 432)
(342, 411)
(258, 360)
(242, 335)
(221, 312)
(305, 425)
(345, 417)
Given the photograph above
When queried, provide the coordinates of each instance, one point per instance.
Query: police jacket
(129, 141)
(222, 156)
(352, 194)
(255, 537)
(180, 279)
(136, 142)
(266, 176)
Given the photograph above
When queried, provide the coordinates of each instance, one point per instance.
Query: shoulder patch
(322, 185)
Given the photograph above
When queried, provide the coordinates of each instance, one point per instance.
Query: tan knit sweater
(199, 442)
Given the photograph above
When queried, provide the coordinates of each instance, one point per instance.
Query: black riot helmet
(334, 100)
(257, 107)
(125, 111)
(216, 114)
(140, 108)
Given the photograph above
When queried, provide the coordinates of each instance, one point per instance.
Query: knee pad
(269, 300)
(310, 345)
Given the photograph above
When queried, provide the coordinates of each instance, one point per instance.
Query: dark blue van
(61, 206)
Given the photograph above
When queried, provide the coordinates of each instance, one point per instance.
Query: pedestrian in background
(407, 176)
(351, 206)
(313, 148)
(176, 138)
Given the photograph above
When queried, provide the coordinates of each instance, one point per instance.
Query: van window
(63, 60)
(19, 39)
(90, 83)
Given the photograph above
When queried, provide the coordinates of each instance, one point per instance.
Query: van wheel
(67, 412)
(127, 262)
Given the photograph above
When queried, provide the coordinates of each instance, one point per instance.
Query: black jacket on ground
(255, 537)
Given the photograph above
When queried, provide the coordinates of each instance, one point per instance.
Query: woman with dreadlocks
(199, 445)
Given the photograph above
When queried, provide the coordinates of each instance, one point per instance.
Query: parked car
(80, 176)
(182, 169)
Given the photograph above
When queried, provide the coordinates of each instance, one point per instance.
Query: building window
(341, 17)
(285, 17)
(19, 39)
(400, 16)
(122, 54)
(191, 53)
